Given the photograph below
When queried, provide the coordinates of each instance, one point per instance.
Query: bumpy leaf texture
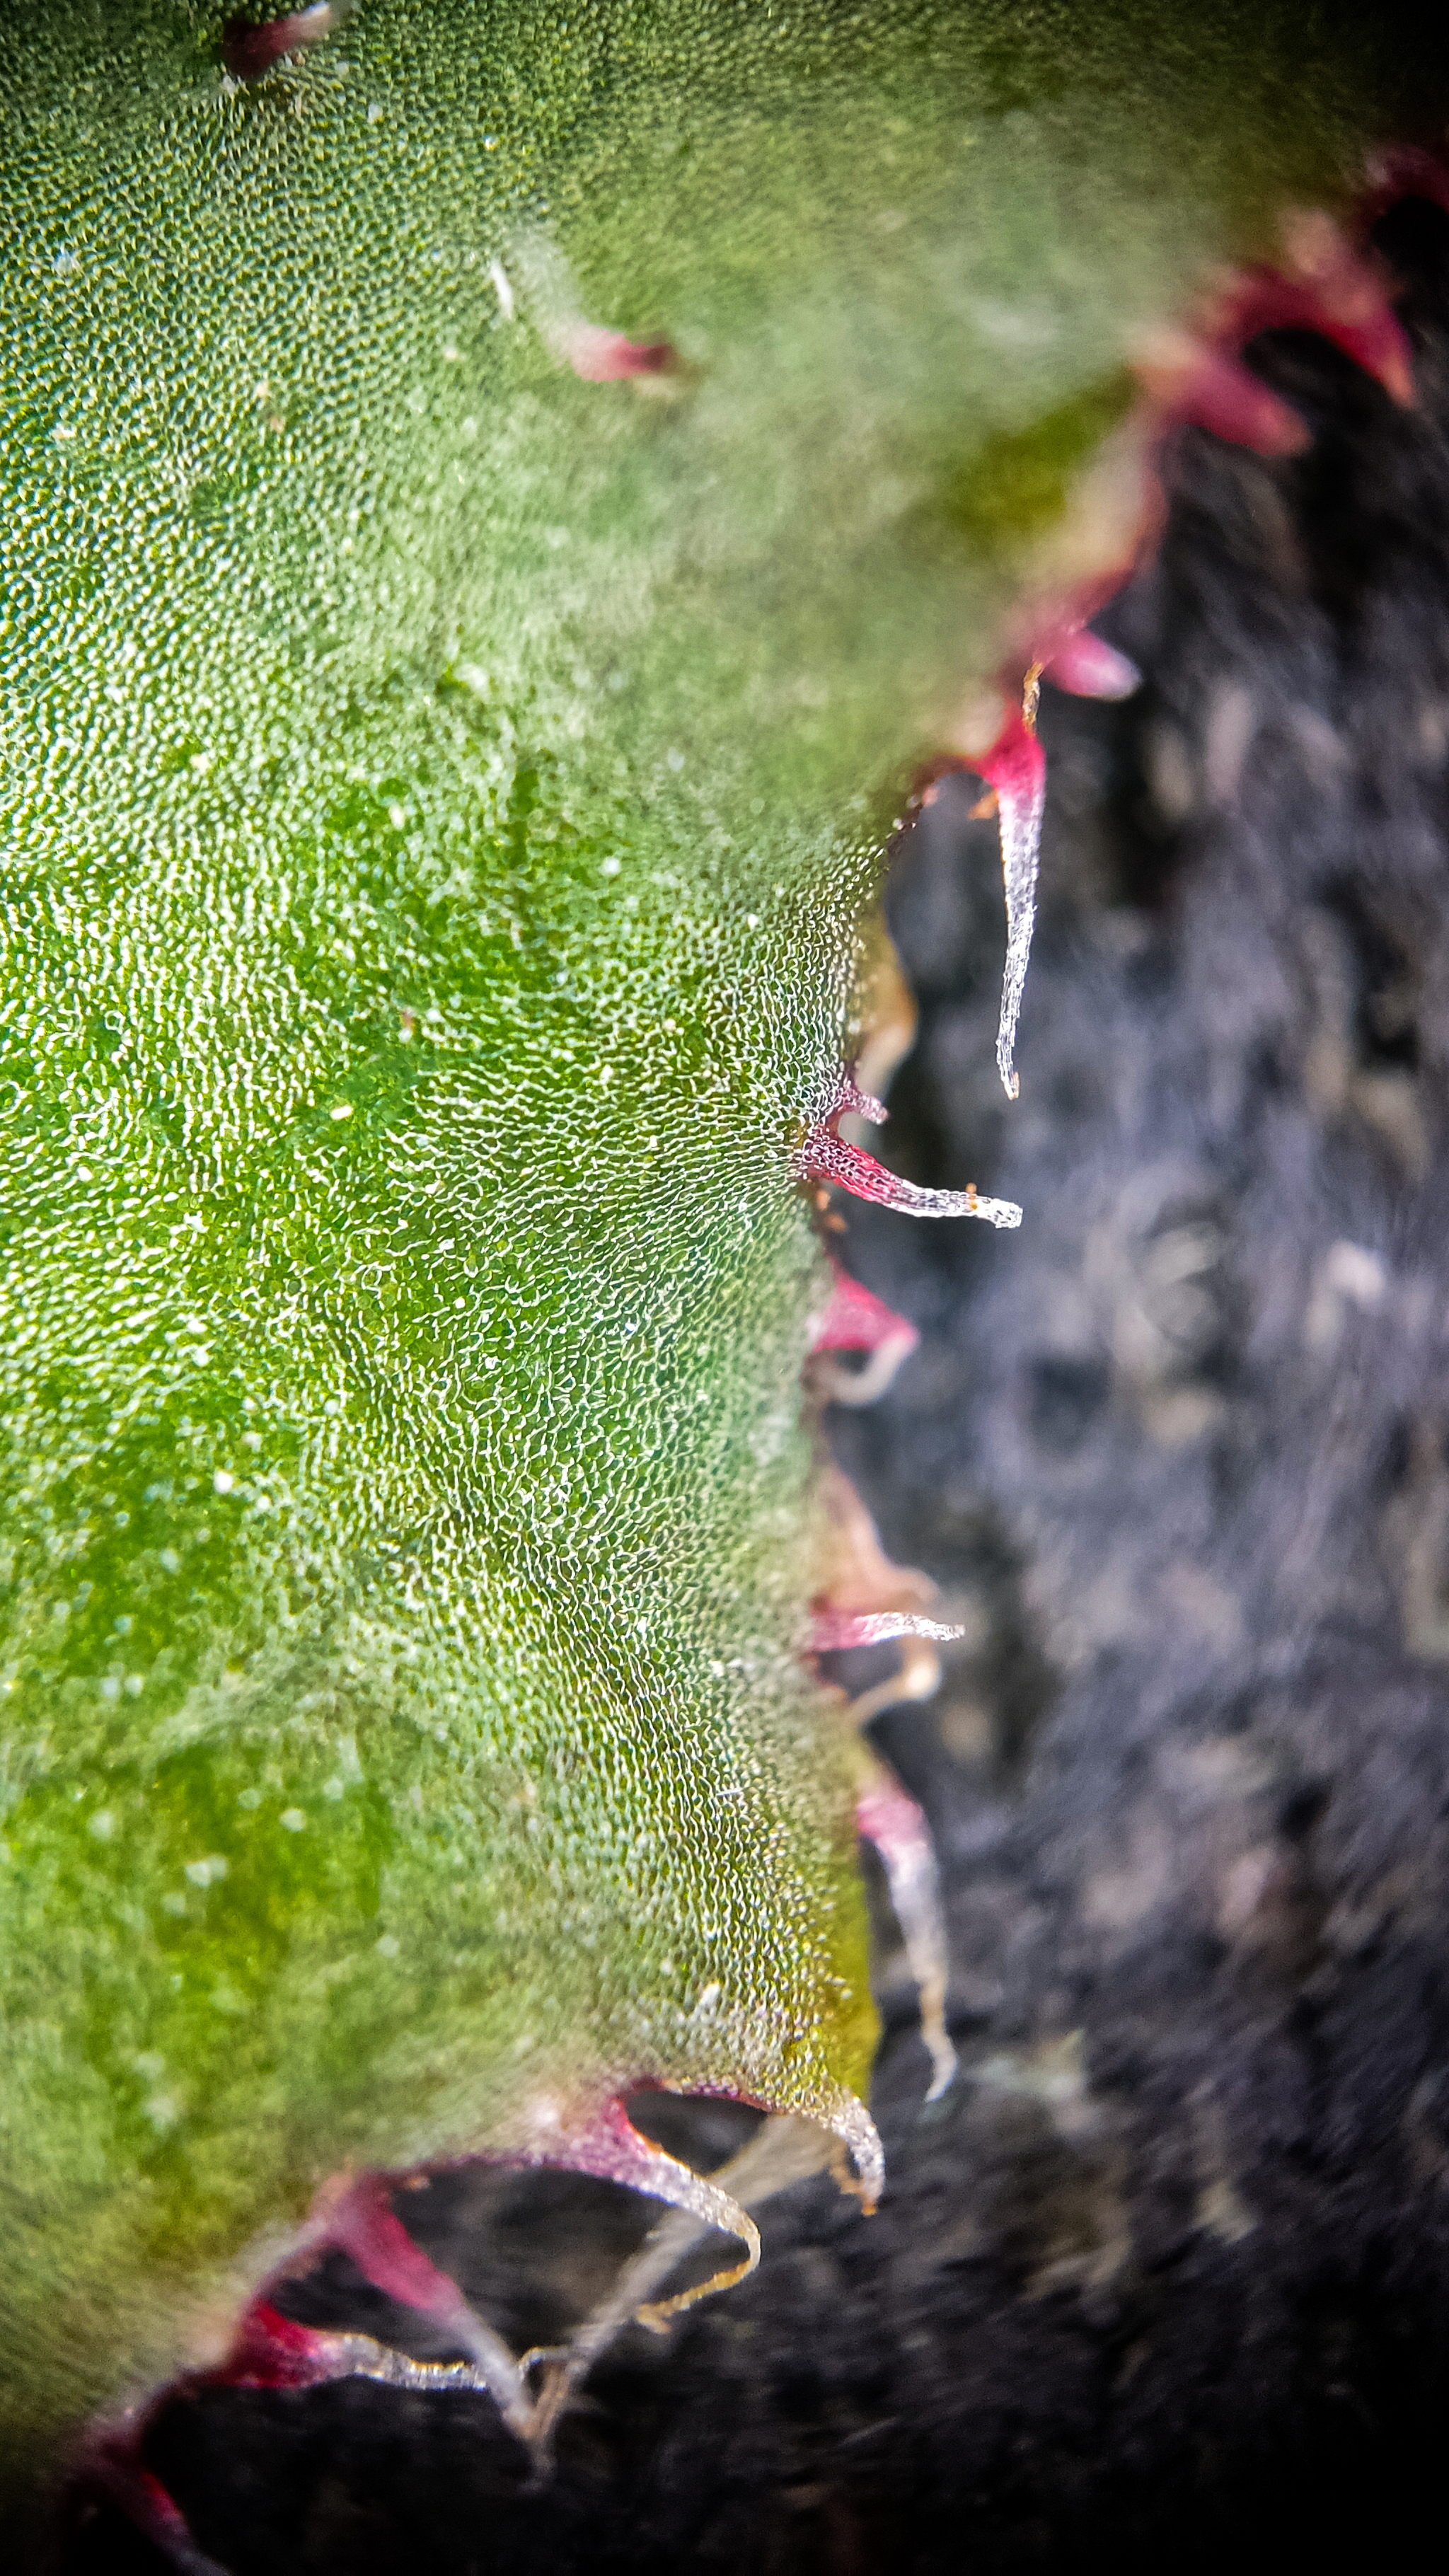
(448, 753)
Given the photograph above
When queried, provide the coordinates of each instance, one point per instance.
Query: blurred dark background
(1167, 2271)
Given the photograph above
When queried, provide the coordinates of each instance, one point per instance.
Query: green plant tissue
(441, 800)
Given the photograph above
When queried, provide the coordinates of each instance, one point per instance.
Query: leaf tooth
(248, 52)
(824, 1156)
(897, 1829)
(835, 1632)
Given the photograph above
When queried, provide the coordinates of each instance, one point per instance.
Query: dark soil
(1167, 2272)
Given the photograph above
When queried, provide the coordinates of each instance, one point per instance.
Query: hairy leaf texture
(447, 750)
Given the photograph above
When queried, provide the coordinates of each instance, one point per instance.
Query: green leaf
(441, 798)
